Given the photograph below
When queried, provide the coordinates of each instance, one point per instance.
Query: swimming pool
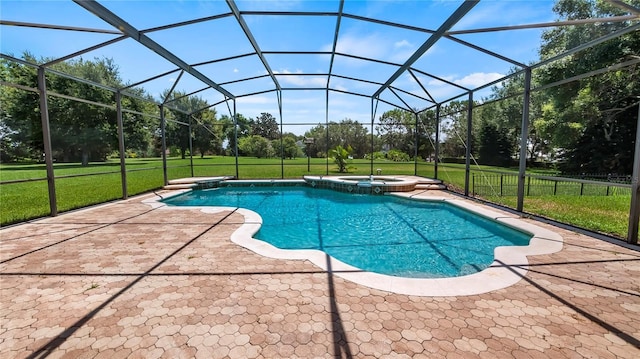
(381, 234)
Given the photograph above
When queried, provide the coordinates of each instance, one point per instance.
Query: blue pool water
(382, 234)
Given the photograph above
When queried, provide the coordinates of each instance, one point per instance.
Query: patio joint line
(169, 274)
(72, 237)
(54, 343)
(591, 317)
(635, 294)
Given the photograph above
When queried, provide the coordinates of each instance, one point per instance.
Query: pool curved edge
(508, 268)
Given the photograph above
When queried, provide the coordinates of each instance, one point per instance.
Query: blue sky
(224, 38)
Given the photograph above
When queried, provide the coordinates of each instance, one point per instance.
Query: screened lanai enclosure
(529, 105)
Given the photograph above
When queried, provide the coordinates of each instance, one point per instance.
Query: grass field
(101, 182)
(600, 213)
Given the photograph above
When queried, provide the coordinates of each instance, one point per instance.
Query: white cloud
(236, 70)
(472, 80)
(374, 46)
(412, 80)
(477, 79)
(441, 90)
(403, 43)
(401, 57)
(371, 46)
(339, 87)
(436, 82)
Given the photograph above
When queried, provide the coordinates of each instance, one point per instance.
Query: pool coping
(509, 265)
(351, 184)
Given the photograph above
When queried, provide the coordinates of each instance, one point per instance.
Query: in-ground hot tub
(363, 184)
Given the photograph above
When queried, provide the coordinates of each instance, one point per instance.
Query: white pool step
(179, 186)
(190, 182)
(434, 186)
(430, 184)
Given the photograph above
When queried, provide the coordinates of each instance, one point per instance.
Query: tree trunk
(85, 158)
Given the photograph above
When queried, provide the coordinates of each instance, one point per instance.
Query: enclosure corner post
(46, 137)
(524, 135)
(235, 137)
(634, 211)
(326, 144)
(437, 146)
(281, 138)
(190, 146)
(123, 166)
(468, 153)
(417, 140)
(373, 115)
(163, 134)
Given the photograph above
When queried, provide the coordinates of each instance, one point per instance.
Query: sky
(223, 38)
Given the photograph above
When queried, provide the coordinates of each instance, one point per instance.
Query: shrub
(340, 156)
(397, 156)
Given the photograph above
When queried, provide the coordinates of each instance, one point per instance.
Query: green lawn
(101, 183)
(600, 213)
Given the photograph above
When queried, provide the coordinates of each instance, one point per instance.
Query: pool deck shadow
(129, 280)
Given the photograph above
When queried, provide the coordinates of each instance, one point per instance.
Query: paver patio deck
(125, 280)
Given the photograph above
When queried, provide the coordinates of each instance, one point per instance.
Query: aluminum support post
(235, 137)
(46, 138)
(281, 139)
(163, 133)
(372, 120)
(415, 155)
(524, 135)
(467, 167)
(123, 166)
(190, 146)
(634, 211)
(437, 149)
(326, 121)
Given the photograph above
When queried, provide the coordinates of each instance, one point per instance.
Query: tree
(454, 128)
(80, 131)
(229, 130)
(397, 130)
(290, 147)
(192, 112)
(207, 133)
(344, 133)
(319, 146)
(266, 126)
(83, 131)
(138, 129)
(495, 146)
(350, 134)
(19, 112)
(10, 150)
(255, 146)
(426, 133)
(503, 112)
(592, 120)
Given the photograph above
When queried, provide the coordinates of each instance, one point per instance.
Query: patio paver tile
(126, 280)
